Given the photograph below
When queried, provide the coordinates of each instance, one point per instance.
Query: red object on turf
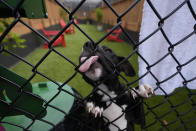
(50, 33)
(114, 35)
(2, 128)
(69, 30)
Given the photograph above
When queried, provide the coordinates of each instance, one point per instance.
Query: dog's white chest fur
(113, 111)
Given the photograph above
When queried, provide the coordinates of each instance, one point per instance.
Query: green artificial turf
(58, 69)
(172, 110)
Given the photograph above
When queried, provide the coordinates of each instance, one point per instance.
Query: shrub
(12, 40)
(99, 14)
(63, 14)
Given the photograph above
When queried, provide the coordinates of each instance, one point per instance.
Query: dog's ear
(126, 67)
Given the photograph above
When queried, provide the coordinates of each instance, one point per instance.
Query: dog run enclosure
(183, 120)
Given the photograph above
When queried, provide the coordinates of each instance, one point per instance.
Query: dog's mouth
(91, 67)
(87, 64)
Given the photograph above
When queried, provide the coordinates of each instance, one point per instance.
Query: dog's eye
(87, 44)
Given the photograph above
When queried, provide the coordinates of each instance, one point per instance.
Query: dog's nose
(88, 45)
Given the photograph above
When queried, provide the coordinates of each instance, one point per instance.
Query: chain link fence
(159, 120)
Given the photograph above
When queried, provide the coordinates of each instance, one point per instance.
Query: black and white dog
(119, 108)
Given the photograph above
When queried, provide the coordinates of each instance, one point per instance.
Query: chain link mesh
(150, 109)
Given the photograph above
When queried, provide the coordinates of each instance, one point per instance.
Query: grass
(169, 108)
(58, 69)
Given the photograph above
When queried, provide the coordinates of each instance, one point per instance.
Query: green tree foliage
(99, 14)
(12, 40)
(63, 14)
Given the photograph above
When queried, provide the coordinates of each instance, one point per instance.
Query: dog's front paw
(97, 111)
(144, 90)
(90, 106)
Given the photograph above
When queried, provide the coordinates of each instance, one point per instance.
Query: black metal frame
(16, 15)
